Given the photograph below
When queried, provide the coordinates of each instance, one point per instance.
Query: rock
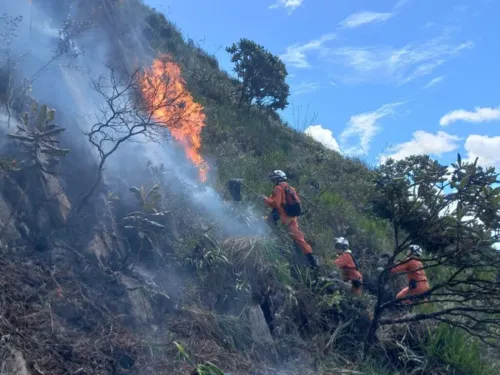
(105, 245)
(147, 305)
(105, 248)
(7, 221)
(141, 310)
(60, 206)
(12, 362)
(258, 326)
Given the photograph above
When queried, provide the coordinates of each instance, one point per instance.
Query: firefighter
(348, 265)
(286, 206)
(414, 269)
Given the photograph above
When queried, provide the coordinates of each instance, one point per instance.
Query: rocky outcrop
(258, 326)
(8, 229)
(59, 206)
(146, 305)
(12, 362)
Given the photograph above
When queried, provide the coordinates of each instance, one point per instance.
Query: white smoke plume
(60, 46)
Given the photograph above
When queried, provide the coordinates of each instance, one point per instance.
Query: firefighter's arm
(400, 268)
(276, 198)
(341, 261)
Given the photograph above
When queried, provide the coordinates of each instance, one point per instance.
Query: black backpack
(292, 205)
(356, 263)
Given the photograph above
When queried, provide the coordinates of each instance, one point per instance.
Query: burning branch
(145, 103)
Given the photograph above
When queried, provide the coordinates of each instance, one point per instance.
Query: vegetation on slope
(211, 317)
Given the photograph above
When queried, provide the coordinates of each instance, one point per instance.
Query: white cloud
(434, 81)
(388, 64)
(296, 54)
(485, 148)
(400, 3)
(289, 5)
(478, 115)
(323, 136)
(423, 143)
(305, 88)
(363, 18)
(365, 127)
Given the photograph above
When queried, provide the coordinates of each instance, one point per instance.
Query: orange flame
(164, 90)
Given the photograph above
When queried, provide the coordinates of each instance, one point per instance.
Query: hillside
(123, 252)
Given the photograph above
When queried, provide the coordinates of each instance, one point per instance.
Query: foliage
(456, 230)
(337, 192)
(261, 73)
(203, 369)
(146, 222)
(37, 136)
(449, 345)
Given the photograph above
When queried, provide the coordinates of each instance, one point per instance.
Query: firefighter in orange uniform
(413, 267)
(348, 265)
(277, 203)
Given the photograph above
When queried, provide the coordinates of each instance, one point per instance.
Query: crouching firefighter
(349, 266)
(286, 206)
(414, 269)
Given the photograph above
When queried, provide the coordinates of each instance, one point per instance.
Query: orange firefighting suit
(346, 264)
(416, 276)
(277, 200)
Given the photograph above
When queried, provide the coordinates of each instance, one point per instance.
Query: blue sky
(383, 78)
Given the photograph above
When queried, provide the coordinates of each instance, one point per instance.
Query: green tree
(452, 213)
(262, 75)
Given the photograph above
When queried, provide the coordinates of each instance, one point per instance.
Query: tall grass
(454, 347)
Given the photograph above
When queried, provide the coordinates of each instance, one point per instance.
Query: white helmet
(416, 250)
(277, 175)
(341, 243)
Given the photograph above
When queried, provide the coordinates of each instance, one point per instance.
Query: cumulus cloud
(323, 136)
(423, 143)
(296, 54)
(364, 126)
(289, 5)
(485, 148)
(479, 114)
(362, 18)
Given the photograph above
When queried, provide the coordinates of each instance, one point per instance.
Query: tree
(453, 213)
(262, 75)
(134, 104)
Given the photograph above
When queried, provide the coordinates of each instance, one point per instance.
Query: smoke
(53, 47)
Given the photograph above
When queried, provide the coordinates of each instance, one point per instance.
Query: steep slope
(153, 272)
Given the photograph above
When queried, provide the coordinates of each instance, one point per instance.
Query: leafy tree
(452, 213)
(262, 75)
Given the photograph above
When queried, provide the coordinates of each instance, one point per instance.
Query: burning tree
(145, 103)
(456, 229)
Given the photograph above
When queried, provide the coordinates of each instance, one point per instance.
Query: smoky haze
(60, 47)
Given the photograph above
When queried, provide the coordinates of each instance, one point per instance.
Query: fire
(164, 91)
